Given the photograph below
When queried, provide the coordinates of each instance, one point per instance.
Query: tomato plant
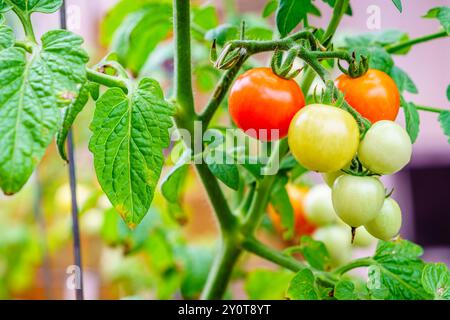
(156, 99)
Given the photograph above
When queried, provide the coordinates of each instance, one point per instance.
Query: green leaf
(116, 15)
(205, 17)
(6, 37)
(222, 34)
(4, 7)
(28, 6)
(206, 77)
(227, 173)
(398, 5)
(258, 33)
(264, 284)
(444, 119)
(442, 14)
(94, 89)
(302, 286)
(279, 199)
(332, 3)
(290, 13)
(173, 181)
(31, 92)
(436, 280)
(345, 290)
(197, 260)
(378, 39)
(69, 115)
(129, 135)
(448, 92)
(269, 8)
(403, 81)
(315, 253)
(397, 271)
(378, 58)
(412, 119)
(140, 33)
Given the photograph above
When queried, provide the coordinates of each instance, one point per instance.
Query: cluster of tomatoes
(326, 139)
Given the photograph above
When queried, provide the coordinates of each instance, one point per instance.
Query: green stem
(182, 73)
(430, 109)
(227, 220)
(262, 193)
(26, 45)
(338, 12)
(106, 80)
(254, 246)
(393, 48)
(25, 19)
(222, 268)
(358, 263)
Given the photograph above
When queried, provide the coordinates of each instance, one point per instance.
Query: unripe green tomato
(337, 240)
(387, 223)
(330, 177)
(363, 238)
(318, 205)
(323, 138)
(357, 200)
(386, 148)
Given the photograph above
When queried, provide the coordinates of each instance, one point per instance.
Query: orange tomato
(374, 95)
(261, 100)
(301, 225)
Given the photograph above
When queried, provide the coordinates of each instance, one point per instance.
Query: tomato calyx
(282, 64)
(357, 169)
(357, 67)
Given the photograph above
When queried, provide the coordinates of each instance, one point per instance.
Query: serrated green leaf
(6, 37)
(398, 5)
(345, 290)
(280, 201)
(290, 13)
(28, 6)
(403, 81)
(397, 271)
(315, 253)
(436, 280)
(302, 286)
(31, 92)
(332, 3)
(269, 8)
(378, 39)
(129, 135)
(412, 119)
(173, 181)
(442, 14)
(140, 33)
(444, 119)
(264, 284)
(69, 115)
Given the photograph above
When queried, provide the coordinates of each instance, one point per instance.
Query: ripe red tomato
(374, 95)
(260, 100)
(301, 225)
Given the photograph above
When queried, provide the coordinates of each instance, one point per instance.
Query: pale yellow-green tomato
(357, 200)
(387, 223)
(323, 138)
(337, 240)
(386, 148)
(363, 238)
(318, 205)
(330, 177)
